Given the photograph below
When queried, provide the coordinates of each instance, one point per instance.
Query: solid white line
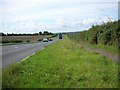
(33, 54)
(28, 57)
(25, 58)
(42, 48)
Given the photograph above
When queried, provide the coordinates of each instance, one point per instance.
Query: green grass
(107, 48)
(62, 65)
(110, 49)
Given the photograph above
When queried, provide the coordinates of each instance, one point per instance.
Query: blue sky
(31, 16)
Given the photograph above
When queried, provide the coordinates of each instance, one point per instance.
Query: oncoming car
(49, 39)
(45, 40)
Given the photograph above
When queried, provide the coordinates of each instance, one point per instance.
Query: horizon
(40, 31)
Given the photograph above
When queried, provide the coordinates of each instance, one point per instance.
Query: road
(15, 53)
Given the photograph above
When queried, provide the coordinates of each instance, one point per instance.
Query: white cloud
(54, 15)
(61, 25)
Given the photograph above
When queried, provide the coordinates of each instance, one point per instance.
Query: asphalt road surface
(15, 53)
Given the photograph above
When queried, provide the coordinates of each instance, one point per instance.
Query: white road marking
(25, 58)
(33, 54)
(28, 57)
(42, 48)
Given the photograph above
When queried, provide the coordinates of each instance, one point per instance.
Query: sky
(33, 16)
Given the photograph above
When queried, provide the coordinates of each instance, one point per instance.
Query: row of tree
(105, 34)
(34, 34)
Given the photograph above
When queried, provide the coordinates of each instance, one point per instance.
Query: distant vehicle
(60, 35)
(50, 39)
(45, 40)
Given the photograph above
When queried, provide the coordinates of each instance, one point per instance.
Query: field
(62, 65)
(25, 38)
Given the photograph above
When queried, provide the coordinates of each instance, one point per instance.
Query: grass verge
(110, 49)
(107, 48)
(62, 65)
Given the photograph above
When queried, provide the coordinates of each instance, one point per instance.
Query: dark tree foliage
(16, 41)
(105, 34)
(47, 33)
(24, 34)
(2, 34)
(40, 33)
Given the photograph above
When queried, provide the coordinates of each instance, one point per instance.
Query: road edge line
(26, 58)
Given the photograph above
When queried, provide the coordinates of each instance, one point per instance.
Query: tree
(40, 33)
(45, 33)
(2, 34)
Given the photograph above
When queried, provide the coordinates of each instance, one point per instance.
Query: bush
(6, 41)
(39, 39)
(28, 40)
(16, 41)
(105, 34)
(55, 35)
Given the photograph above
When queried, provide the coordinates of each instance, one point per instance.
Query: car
(60, 35)
(45, 40)
(50, 39)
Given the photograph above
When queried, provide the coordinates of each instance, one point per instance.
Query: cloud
(38, 15)
(61, 25)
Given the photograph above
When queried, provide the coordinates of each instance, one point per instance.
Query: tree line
(34, 34)
(105, 34)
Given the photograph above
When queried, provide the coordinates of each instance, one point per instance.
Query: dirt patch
(100, 51)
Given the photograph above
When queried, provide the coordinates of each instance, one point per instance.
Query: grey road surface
(15, 53)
